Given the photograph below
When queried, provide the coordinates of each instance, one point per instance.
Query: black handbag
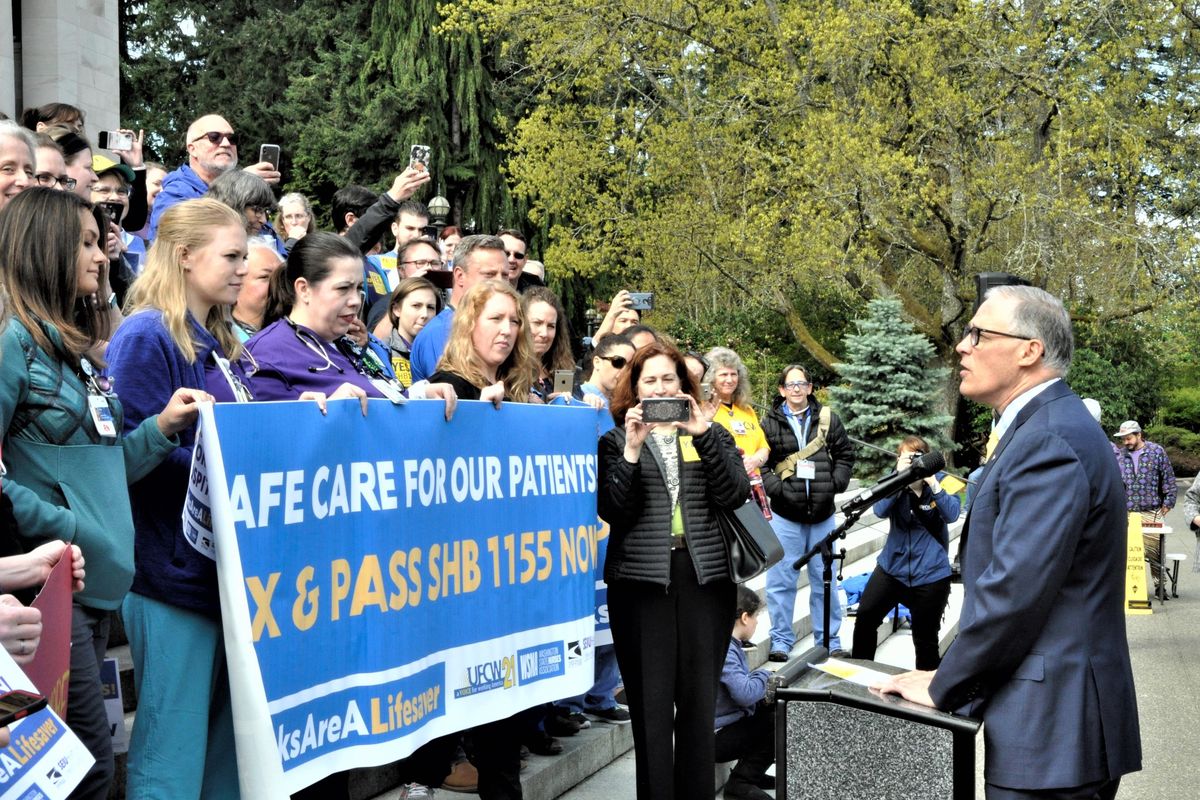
(752, 545)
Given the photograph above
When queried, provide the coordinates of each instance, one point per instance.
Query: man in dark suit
(1041, 653)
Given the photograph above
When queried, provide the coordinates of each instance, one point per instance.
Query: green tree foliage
(889, 389)
(1121, 366)
(345, 86)
(869, 146)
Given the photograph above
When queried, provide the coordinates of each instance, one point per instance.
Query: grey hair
(238, 189)
(724, 358)
(469, 244)
(1040, 315)
(296, 197)
(263, 243)
(10, 129)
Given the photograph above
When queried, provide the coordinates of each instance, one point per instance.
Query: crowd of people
(133, 293)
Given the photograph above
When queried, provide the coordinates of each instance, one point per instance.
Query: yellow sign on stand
(1137, 589)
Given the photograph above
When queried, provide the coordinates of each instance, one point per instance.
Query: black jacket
(797, 499)
(633, 499)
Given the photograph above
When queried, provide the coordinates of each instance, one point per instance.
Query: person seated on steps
(745, 724)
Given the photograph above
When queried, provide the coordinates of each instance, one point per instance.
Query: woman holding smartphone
(551, 345)
(670, 597)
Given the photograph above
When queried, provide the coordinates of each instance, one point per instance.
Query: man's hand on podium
(912, 686)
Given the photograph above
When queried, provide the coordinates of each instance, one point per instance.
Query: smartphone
(666, 409)
(17, 704)
(114, 140)
(642, 301)
(441, 278)
(270, 154)
(418, 157)
(114, 211)
(706, 392)
(564, 381)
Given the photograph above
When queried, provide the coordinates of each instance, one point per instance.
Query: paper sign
(114, 704)
(51, 665)
(197, 509)
(44, 759)
(952, 484)
(852, 672)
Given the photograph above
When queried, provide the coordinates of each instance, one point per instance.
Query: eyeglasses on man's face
(796, 386)
(972, 333)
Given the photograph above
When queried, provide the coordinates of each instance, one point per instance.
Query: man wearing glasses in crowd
(212, 148)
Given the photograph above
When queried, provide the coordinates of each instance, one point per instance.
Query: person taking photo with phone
(670, 597)
(914, 568)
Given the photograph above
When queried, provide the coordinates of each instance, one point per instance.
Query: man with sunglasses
(1041, 653)
(212, 147)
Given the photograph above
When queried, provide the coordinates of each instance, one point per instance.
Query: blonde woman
(489, 355)
(178, 334)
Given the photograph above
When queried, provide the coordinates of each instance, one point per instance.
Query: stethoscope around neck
(316, 346)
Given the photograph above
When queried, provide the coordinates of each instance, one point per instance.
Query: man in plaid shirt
(1149, 481)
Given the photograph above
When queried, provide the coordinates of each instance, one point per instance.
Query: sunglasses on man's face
(215, 137)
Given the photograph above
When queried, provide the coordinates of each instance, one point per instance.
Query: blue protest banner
(390, 579)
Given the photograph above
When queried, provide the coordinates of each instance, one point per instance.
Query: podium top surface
(805, 683)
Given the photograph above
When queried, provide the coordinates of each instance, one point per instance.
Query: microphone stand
(825, 549)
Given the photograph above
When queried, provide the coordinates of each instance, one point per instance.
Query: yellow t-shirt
(742, 422)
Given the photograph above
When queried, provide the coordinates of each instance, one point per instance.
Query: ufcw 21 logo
(500, 673)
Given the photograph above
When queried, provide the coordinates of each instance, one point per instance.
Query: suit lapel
(1054, 392)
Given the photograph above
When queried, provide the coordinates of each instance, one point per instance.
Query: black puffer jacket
(633, 499)
(797, 499)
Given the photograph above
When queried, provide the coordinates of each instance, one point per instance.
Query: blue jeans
(797, 539)
(600, 696)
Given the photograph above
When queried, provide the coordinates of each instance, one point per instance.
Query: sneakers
(777, 655)
(618, 715)
(413, 791)
(463, 778)
(579, 719)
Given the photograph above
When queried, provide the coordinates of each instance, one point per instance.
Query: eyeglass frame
(65, 181)
(124, 190)
(424, 262)
(796, 386)
(232, 136)
(973, 332)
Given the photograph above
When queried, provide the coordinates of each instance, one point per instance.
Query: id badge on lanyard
(98, 405)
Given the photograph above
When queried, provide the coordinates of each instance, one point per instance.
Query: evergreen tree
(889, 389)
(421, 84)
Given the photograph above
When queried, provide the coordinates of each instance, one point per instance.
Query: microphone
(922, 467)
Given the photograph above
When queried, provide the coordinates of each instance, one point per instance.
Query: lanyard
(241, 393)
(799, 426)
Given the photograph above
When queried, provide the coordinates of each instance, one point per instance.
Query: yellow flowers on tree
(731, 151)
